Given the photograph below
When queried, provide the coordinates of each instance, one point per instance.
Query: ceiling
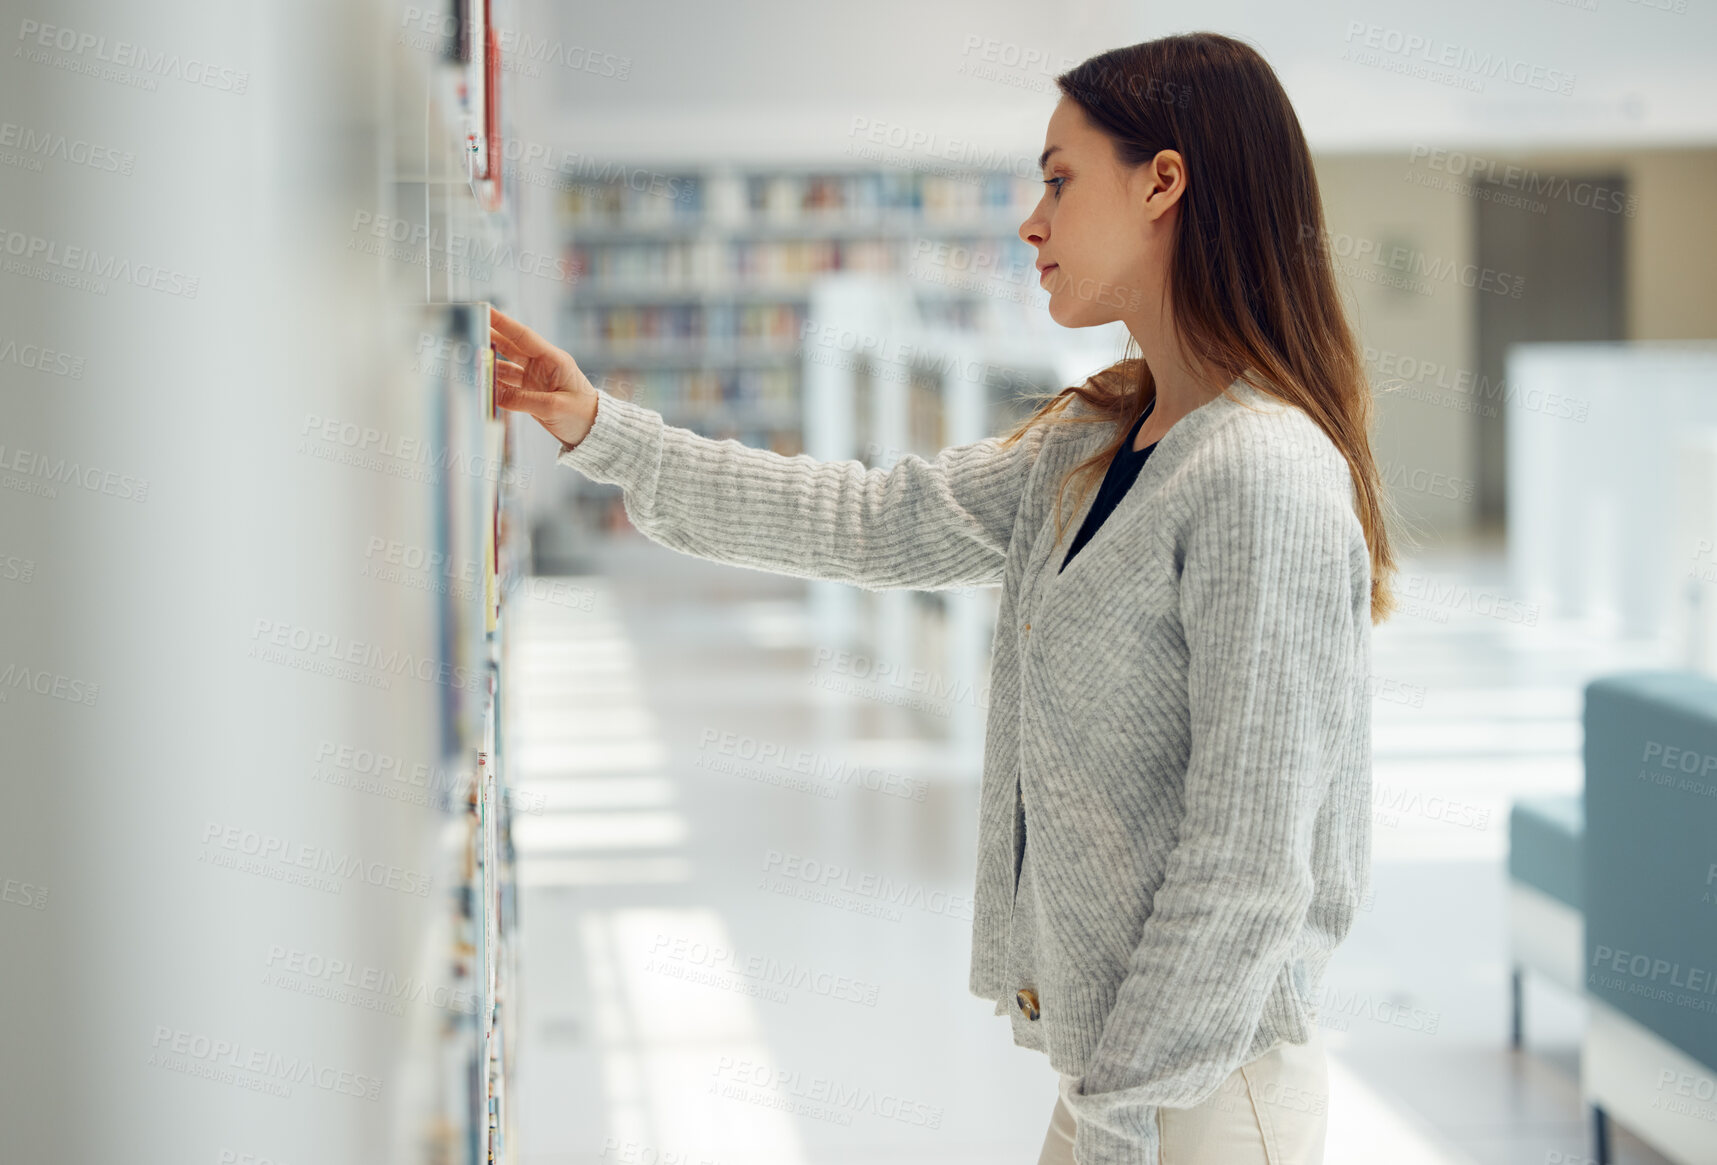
(768, 79)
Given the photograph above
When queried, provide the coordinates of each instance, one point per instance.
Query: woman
(1180, 715)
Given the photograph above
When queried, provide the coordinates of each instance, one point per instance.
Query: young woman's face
(1102, 230)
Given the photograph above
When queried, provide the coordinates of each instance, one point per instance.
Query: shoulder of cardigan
(1184, 439)
(1186, 434)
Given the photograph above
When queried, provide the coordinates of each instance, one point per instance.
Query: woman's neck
(1178, 393)
(1181, 386)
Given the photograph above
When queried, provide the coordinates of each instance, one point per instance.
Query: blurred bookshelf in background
(695, 292)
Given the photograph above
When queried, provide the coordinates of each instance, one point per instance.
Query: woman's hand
(533, 376)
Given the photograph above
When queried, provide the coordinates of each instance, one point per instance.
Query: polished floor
(742, 928)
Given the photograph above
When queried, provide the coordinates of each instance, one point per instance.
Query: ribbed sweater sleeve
(1269, 587)
(920, 524)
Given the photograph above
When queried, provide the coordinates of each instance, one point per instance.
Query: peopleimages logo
(826, 877)
(47, 144)
(266, 633)
(521, 52)
(820, 1097)
(48, 683)
(1444, 596)
(1447, 62)
(41, 359)
(261, 1070)
(25, 894)
(482, 255)
(267, 848)
(1408, 267)
(86, 268)
(48, 470)
(1638, 973)
(343, 981)
(1683, 760)
(916, 687)
(711, 964)
(398, 455)
(86, 51)
(961, 151)
(1477, 169)
(744, 755)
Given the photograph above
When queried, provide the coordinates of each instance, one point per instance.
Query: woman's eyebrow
(1043, 159)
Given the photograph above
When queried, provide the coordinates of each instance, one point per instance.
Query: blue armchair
(1630, 868)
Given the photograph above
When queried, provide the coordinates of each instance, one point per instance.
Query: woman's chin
(1063, 311)
(1077, 315)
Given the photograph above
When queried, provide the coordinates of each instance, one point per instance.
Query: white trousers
(1272, 1111)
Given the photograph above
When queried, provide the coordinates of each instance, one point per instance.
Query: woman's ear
(1161, 181)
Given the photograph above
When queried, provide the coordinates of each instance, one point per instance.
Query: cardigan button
(1027, 1002)
(1028, 626)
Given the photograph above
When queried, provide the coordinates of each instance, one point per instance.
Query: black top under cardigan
(1123, 471)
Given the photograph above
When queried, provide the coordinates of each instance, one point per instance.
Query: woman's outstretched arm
(921, 524)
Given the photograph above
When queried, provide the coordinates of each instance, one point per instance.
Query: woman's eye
(1055, 182)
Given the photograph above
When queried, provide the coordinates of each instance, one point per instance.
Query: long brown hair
(1250, 274)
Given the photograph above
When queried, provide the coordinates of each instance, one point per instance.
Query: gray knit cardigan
(1179, 721)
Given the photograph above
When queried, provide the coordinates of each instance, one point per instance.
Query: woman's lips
(1041, 275)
